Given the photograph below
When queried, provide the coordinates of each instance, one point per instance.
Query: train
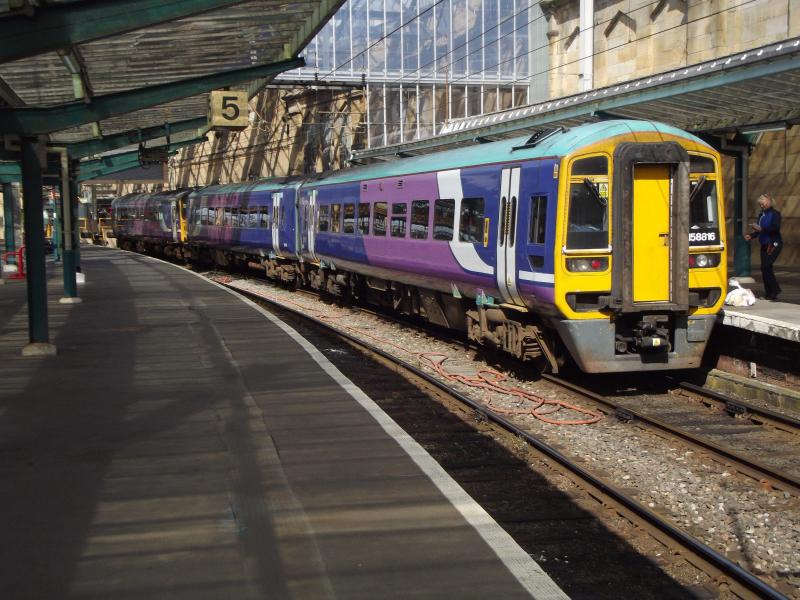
(600, 246)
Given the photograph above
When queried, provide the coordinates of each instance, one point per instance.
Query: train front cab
(642, 268)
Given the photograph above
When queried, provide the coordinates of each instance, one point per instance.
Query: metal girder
(134, 136)
(684, 86)
(125, 160)
(62, 25)
(312, 25)
(33, 121)
(10, 172)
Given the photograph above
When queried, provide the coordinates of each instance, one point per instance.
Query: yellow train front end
(640, 269)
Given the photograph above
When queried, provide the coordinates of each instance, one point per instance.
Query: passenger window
(363, 218)
(336, 218)
(220, 217)
(322, 220)
(398, 224)
(588, 217)
(229, 216)
(379, 221)
(349, 218)
(253, 217)
(265, 217)
(538, 222)
(444, 212)
(420, 213)
(235, 216)
(471, 227)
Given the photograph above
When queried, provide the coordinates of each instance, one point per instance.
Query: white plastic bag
(739, 296)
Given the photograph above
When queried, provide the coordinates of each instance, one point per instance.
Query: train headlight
(587, 265)
(703, 261)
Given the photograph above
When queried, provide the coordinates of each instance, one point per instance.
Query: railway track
(726, 573)
(762, 473)
(741, 409)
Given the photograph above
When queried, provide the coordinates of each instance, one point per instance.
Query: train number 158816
(705, 236)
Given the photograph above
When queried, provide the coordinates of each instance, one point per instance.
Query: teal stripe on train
(501, 151)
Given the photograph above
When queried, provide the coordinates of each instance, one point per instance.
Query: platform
(775, 319)
(186, 444)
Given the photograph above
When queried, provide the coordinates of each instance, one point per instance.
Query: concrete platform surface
(185, 444)
(777, 319)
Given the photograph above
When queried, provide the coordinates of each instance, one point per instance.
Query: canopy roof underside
(233, 37)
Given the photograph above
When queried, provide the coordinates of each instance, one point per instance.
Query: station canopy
(748, 92)
(79, 70)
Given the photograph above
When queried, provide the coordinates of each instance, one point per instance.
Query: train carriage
(605, 239)
(245, 224)
(603, 243)
(150, 222)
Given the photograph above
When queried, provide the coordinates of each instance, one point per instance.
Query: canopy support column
(67, 219)
(38, 334)
(741, 247)
(9, 214)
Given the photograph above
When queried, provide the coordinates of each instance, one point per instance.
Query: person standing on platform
(767, 229)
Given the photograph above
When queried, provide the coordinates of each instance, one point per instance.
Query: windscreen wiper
(697, 188)
(593, 188)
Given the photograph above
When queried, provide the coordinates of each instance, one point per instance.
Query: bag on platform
(739, 296)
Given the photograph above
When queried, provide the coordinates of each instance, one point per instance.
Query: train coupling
(651, 334)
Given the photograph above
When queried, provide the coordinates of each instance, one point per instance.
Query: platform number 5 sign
(228, 110)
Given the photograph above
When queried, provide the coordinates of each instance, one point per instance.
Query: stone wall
(291, 133)
(636, 38)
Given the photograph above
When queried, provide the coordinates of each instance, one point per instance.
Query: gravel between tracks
(758, 528)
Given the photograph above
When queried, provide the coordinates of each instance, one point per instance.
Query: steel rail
(744, 465)
(742, 582)
(735, 407)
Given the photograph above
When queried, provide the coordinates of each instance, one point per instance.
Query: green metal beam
(134, 136)
(10, 172)
(34, 121)
(124, 160)
(62, 25)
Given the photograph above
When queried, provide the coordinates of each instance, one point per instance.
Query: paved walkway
(185, 445)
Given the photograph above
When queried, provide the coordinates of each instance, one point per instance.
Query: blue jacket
(770, 222)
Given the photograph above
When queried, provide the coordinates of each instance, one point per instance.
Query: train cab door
(650, 233)
(507, 237)
(651, 236)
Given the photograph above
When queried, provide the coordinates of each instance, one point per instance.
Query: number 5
(230, 102)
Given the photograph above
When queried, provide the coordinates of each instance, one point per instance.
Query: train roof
(261, 185)
(558, 144)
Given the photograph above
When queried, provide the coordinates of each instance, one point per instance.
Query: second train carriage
(603, 242)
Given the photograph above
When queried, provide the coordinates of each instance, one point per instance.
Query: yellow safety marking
(486, 232)
(651, 247)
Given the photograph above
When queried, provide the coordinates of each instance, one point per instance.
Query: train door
(179, 208)
(507, 236)
(278, 213)
(651, 237)
(308, 206)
